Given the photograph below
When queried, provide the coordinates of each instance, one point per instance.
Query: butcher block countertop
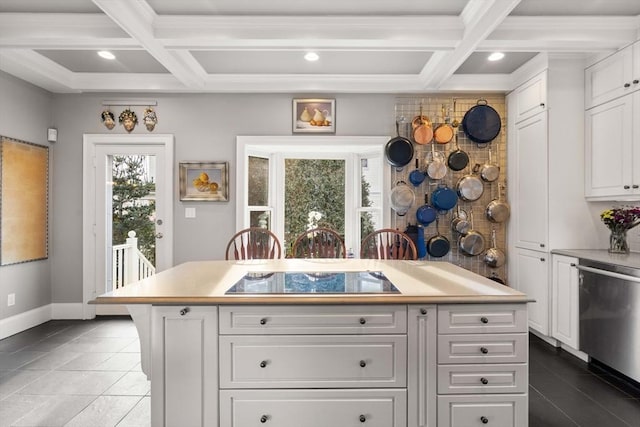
(205, 282)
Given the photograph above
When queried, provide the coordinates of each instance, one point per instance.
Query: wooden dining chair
(320, 242)
(253, 243)
(388, 243)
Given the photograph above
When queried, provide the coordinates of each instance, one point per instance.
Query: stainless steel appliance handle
(609, 273)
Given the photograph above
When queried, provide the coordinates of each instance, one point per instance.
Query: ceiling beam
(480, 17)
(137, 18)
(38, 70)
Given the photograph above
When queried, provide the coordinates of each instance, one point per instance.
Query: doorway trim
(90, 143)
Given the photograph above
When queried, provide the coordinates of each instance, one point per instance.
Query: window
(291, 184)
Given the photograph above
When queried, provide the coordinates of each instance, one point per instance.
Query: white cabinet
(482, 365)
(610, 78)
(564, 300)
(531, 97)
(612, 143)
(185, 366)
(530, 201)
(532, 270)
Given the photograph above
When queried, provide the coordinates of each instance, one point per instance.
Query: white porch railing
(129, 264)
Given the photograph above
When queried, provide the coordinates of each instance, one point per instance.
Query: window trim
(349, 147)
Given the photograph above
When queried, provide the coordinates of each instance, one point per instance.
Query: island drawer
(313, 408)
(484, 348)
(485, 379)
(313, 361)
(482, 318)
(326, 319)
(507, 410)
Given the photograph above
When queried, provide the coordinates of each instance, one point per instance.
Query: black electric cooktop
(357, 282)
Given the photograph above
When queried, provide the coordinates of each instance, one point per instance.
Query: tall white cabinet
(545, 178)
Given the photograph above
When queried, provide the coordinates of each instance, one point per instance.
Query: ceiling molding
(481, 17)
(136, 18)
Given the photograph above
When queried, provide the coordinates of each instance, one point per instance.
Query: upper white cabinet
(531, 97)
(612, 150)
(564, 300)
(613, 77)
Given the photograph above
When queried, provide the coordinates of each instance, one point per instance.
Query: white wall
(25, 114)
(205, 128)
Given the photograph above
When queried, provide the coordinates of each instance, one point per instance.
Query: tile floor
(87, 374)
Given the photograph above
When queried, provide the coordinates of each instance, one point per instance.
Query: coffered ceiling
(370, 46)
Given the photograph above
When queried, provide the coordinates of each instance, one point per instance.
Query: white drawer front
(482, 318)
(487, 410)
(383, 319)
(487, 348)
(486, 379)
(313, 361)
(313, 408)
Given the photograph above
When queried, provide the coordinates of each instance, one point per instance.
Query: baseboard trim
(549, 340)
(577, 353)
(25, 320)
(67, 311)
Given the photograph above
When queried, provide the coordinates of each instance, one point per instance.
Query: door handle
(159, 235)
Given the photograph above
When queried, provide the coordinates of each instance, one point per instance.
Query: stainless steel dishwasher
(610, 315)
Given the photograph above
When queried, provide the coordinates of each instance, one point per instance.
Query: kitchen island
(388, 343)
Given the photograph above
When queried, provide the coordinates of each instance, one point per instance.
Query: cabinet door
(609, 78)
(532, 278)
(184, 365)
(635, 75)
(421, 366)
(608, 150)
(531, 97)
(503, 410)
(530, 190)
(564, 300)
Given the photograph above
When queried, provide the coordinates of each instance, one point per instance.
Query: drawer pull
(263, 321)
(362, 418)
(627, 84)
(484, 381)
(184, 311)
(363, 320)
(423, 311)
(264, 419)
(263, 364)
(484, 350)
(484, 420)
(484, 320)
(363, 364)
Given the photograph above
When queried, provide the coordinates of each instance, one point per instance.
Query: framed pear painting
(314, 116)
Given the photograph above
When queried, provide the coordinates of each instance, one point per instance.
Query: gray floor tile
(102, 362)
(72, 383)
(140, 415)
(10, 361)
(114, 329)
(51, 360)
(105, 411)
(18, 379)
(55, 411)
(543, 413)
(97, 344)
(131, 384)
(17, 406)
(134, 347)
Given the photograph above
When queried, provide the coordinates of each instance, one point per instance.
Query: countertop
(205, 282)
(631, 260)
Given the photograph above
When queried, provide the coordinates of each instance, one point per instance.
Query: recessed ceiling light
(496, 56)
(106, 54)
(311, 56)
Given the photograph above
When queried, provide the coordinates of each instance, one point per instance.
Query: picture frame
(314, 115)
(204, 181)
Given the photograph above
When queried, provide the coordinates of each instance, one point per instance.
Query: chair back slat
(320, 242)
(254, 243)
(388, 243)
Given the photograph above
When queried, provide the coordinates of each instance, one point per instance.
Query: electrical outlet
(11, 299)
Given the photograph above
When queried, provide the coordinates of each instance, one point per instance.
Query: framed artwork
(204, 181)
(314, 116)
(24, 194)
